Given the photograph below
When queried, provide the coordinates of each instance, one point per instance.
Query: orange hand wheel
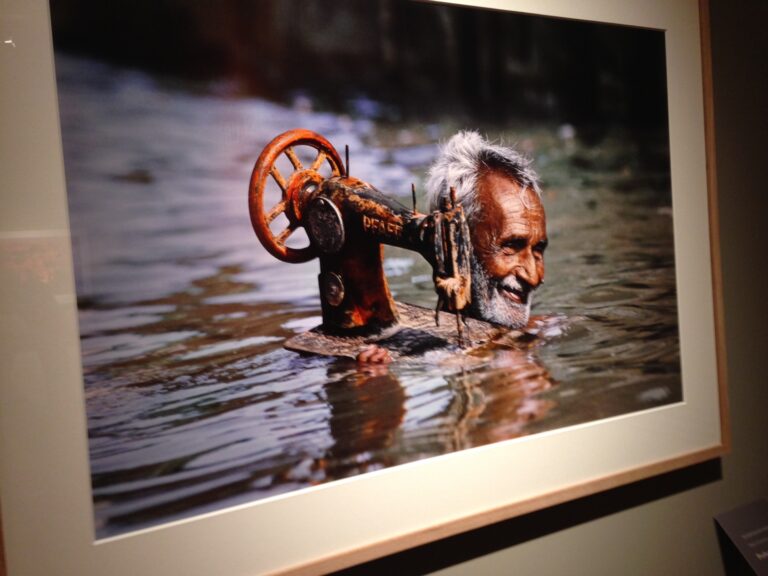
(297, 188)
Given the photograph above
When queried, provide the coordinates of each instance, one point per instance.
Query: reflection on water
(193, 404)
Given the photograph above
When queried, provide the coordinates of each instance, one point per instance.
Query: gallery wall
(665, 525)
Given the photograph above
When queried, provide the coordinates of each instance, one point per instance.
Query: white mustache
(510, 283)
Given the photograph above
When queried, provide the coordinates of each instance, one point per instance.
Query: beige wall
(664, 525)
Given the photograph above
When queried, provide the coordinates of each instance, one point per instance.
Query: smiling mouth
(516, 295)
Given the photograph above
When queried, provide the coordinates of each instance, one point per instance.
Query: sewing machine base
(414, 335)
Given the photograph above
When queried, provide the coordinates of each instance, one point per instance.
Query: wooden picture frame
(47, 519)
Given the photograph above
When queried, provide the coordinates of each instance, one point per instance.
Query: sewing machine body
(348, 221)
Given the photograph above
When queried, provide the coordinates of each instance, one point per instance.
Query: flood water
(193, 403)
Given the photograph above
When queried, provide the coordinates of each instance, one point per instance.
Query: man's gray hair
(463, 159)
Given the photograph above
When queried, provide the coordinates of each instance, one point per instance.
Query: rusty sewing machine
(347, 222)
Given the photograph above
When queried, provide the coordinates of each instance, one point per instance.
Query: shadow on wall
(464, 547)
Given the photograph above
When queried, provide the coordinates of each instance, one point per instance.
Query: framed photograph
(273, 273)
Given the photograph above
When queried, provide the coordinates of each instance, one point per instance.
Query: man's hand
(374, 355)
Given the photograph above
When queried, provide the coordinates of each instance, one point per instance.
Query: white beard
(490, 304)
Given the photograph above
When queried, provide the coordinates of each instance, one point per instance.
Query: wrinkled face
(509, 236)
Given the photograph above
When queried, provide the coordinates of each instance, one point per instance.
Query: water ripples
(192, 402)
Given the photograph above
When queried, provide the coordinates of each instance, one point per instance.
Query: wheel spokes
(277, 209)
(296, 178)
(283, 236)
(318, 161)
(294, 159)
(278, 178)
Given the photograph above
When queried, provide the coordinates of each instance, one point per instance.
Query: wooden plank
(415, 334)
(714, 222)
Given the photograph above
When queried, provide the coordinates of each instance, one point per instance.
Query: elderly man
(501, 199)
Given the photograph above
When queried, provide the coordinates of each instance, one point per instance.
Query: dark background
(412, 59)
